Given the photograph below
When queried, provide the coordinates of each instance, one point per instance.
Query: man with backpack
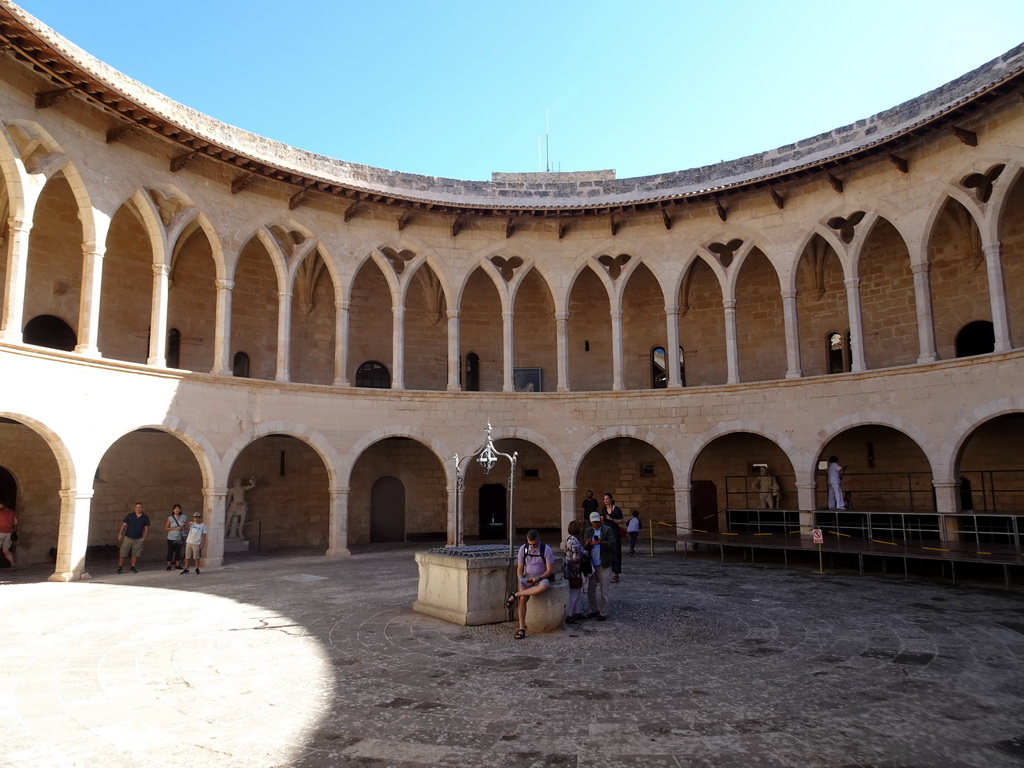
(536, 566)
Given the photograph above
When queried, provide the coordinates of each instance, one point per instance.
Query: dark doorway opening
(387, 510)
(977, 338)
(704, 506)
(493, 512)
(52, 332)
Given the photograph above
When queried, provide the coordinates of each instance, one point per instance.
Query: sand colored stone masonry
(657, 351)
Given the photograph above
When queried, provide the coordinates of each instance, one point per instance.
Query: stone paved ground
(314, 662)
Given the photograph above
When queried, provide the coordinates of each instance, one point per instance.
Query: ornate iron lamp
(487, 456)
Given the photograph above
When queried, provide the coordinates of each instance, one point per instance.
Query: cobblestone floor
(288, 662)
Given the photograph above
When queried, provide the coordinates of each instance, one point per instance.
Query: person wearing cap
(599, 543)
(194, 541)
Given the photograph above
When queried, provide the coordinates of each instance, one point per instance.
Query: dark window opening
(373, 375)
(472, 372)
(659, 368)
(977, 338)
(240, 365)
(838, 348)
(174, 348)
(52, 332)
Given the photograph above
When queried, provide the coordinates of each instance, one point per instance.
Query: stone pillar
(568, 496)
(562, 349)
(617, 377)
(732, 352)
(684, 516)
(341, 317)
(857, 360)
(73, 535)
(508, 351)
(925, 319)
(997, 295)
(792, 324)
(158, 317)
(672, 350)
(454, 385)
(398, 347)
(222, 331)
(284, 336)
(338, 526)
(214, 509)
(947, 497)
(12, 317)
(805, 494)
(89, 307)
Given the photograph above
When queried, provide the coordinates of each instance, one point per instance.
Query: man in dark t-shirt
(133, 532)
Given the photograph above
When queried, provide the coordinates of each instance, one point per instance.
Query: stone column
(398, 347)
(732, 352)
(568, 495)
(805, 493)
(341, 317)
(792, 324)
(997, 295)
(947, 497)
(73, 535)
(684, 515)
(222, 331)
(672, 350)
(857, 360)
(89, 307)
(158, 317)
(338, 526)
(925, 319)
(284, 336)
(562, 350)
(214, 509)
(12, 317)
(508, 351)
(454, 385)
(617, 372)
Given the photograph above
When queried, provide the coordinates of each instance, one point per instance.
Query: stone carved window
(374, 375)
(977, 338)
(240, 365)
(659, 368)
(837, 347)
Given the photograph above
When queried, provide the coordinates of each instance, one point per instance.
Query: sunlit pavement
(320, 662)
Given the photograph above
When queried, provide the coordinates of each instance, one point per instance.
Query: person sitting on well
(536, 566)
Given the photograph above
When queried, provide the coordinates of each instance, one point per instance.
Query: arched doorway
(977, 338)
(387, 510)
(50, 331)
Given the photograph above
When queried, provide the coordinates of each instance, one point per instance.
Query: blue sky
(459, 89)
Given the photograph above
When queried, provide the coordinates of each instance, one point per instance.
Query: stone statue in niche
(768, 487)
(237, 509)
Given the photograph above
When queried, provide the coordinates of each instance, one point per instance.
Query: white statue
(768, 487)
(237, 509)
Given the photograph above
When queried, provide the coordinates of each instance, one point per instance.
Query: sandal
(511, 600)
(519, 635)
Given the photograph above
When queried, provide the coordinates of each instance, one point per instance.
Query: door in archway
(387, 510)
(493, 511)
(704, 506)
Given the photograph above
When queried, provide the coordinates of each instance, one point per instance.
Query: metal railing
(992, 490)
